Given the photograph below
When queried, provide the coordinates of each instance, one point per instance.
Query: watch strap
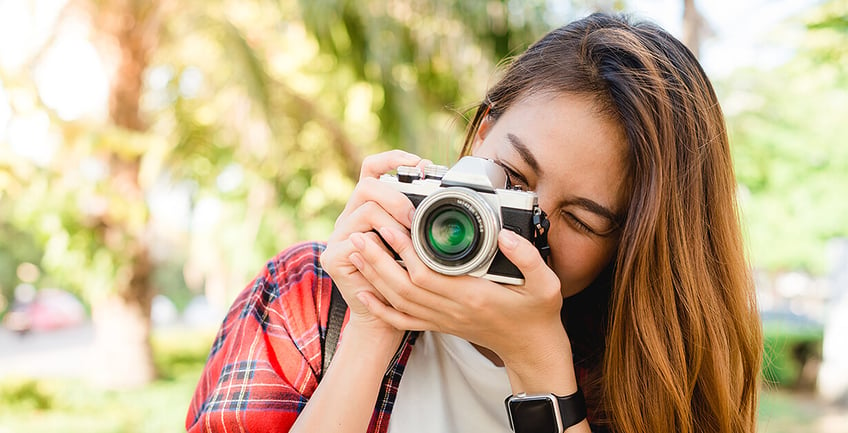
(572, 408)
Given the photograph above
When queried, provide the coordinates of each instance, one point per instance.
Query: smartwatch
(545, 413)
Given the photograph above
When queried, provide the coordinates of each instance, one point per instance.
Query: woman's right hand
(372, 205)
(344, 399)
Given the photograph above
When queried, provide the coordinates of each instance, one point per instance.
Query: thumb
(524, 255)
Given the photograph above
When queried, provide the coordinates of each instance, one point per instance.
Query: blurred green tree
(234, 128)
(787, 127)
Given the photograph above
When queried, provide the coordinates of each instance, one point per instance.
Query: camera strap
(541, 224)
(335, 319)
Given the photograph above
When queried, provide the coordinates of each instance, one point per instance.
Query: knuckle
(368, 207)
(369, 183)
(370, 160)
(551, 288)
(327, 261)
(362, 191)
(531, 261)
(400, 302)
(340, 222)
(476, 301)
(419, 275)
(460, 319)
(402, 246)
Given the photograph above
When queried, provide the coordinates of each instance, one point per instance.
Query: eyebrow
(524, 152)
(597, 208)
(585, 203)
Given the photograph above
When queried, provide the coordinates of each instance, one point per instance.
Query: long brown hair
(681, 328)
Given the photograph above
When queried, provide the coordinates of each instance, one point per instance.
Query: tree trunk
(122, 318)
(695, 27)
(122, 331)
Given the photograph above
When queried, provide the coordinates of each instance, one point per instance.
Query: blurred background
(153, 155)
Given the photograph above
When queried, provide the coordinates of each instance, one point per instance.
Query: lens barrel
(454, 231)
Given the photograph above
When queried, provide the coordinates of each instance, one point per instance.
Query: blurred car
(49, 309)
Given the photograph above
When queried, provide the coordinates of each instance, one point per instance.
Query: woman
(645, 306)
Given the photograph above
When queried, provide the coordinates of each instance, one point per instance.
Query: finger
(527, 259)
(375, 165)
(402, 245)
(393, 201)
(390, 279)
(367, 217)
(419, 273)
(423, 163)
(392, 316)
(446, 295)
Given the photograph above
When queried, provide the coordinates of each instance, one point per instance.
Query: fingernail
(508, 239)
(411, 217)
(357, 240)
(362, 298)
(356, 260)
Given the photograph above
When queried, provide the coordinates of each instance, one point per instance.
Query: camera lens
(451, 233)
(454, 231)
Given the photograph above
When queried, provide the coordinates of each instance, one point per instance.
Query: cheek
(578, 259)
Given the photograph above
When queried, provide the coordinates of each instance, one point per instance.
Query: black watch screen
(536, 414)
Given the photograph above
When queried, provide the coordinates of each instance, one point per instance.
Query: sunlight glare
(72, 80)
(30, 136)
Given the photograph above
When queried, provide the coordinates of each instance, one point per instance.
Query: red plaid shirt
(265, 361)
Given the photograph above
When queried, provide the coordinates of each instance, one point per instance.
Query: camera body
(459, 212)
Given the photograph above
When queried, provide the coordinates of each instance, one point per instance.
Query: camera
(459, 212)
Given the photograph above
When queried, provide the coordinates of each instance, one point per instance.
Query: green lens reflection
(451, 232)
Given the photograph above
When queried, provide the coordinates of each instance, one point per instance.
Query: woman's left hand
(521, 324)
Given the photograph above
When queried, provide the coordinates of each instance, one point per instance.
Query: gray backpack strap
(335, 319)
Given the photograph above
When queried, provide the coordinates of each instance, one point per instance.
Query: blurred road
(58, 353)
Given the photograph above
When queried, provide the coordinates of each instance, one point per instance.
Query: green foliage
(23, 249)
(26, 394)
(257, 114)
(787, 349)
(787, 127)
(426, 57)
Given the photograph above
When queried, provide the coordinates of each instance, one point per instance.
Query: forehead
(580, 150)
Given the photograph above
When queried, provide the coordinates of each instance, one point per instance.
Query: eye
(577, 223)
(513, 177)
(600, 229)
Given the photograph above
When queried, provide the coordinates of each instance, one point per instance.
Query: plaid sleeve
(264, 362)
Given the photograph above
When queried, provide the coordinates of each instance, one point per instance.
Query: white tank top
(450, 387)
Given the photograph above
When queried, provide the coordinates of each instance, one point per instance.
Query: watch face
(534, 415)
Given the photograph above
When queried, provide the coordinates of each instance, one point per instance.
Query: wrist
(546, 367)
(378, 340)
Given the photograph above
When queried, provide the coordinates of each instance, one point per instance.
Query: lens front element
(451, 233)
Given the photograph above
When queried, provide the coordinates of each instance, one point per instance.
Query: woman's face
(575, 159)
